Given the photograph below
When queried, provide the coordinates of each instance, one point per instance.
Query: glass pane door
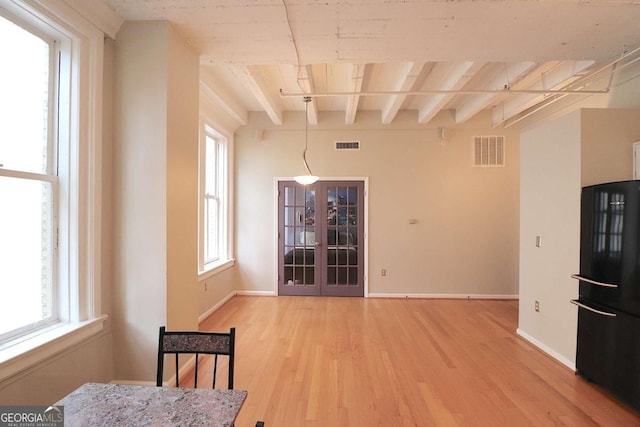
(321, 255)
(342, 236)
(299, 240)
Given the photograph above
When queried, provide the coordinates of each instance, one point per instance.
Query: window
(27, 181)
(50, 109)
(214, 211)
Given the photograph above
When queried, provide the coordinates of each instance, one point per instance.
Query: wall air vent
(488, 151)
(347, 145)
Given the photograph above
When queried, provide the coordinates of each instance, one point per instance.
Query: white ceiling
(462, 56)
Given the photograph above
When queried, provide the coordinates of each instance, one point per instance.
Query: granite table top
(112, 405)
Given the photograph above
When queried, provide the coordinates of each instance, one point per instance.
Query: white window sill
(44, 344)
(216, 268)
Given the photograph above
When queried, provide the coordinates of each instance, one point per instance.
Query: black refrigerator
(608, 346)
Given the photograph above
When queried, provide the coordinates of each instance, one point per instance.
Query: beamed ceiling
(512, 58)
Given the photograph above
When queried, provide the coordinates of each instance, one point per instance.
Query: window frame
(58, 79)
(223, 142)
(78, 206)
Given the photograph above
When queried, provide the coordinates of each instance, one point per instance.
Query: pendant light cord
(307, 99)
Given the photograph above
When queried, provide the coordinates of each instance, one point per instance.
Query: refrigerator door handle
(586, 307)
(593, 282)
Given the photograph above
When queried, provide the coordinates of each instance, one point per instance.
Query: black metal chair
(187, 342)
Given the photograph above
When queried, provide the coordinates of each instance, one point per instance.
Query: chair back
(196, 342)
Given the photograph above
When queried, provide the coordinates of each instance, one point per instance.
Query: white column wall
(550, 208)
(155, 193)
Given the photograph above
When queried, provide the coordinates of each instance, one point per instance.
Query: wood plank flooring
(314, 361)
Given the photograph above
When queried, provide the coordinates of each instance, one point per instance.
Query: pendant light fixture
(310, 178)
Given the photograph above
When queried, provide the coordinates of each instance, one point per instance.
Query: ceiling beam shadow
(253, 80)
(513, 73)
(355, 85)
(446, 76)
(405, 81)
(551, 76)
(222, 99)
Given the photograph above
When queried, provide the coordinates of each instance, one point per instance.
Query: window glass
(211, 233)
(211, 169)
(26, 190)
(211, 216)
(25, 253)
(24, 85)
(214, 245)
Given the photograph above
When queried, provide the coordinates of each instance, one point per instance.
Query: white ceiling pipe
(510, 121)
(506, 90)
(445, 91)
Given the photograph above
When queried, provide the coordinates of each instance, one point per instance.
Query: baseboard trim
(546, 349)
(220, 303)
(224, 300)
(257, 293)
(444, 296)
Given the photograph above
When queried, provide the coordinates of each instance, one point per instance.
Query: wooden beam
(222, 99)
(405, 82)
(549, 76)
(251, 77)
(355, 85)
(446, 76)
(512, 74)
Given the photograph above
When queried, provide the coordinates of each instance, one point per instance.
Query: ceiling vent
(347, 145)
(488, 151)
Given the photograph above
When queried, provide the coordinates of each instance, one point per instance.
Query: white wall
(626, 88)
(139, 195)
(466, 239)
(182, 184)
(215, 290)
(607, 138)
(558, 158)
(155, 193)
(550, 208)
(47, 382)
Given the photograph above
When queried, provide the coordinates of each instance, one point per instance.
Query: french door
(320, 238)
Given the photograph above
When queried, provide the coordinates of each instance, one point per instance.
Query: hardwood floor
(389, 362)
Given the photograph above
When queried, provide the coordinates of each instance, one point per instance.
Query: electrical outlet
(383, 272)
(537, 306)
